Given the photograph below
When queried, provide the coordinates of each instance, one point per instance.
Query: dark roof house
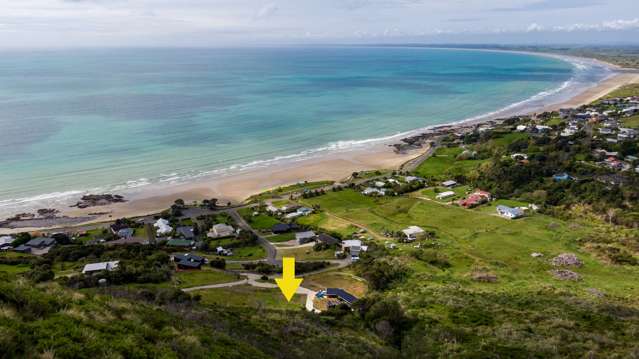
(40, 242)
(186, 232)
(189, 261)
(326, 239)
(341, 294)
(179, 243)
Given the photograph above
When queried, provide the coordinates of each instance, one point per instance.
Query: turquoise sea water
(106, 120)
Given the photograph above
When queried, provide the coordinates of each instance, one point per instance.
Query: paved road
(271, 251)
(411, 165)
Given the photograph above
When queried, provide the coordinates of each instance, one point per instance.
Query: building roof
(40, 242)
(125, 232)
(514, 212)
(449, 183)
(22, 248)
(325, 238)
(188, 257)
(412, 230)
(280, 227)
(6, 240)
(305, 235)
(342, 294)
(186, 232)
(102, 266)
(351, 243)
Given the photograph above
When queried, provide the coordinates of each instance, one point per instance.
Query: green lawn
(625, 91)
(632, 121)
(479, 239)
(284, 237)
(298, 187)
(187, 279)
(261, 222)
(305, 253)
(247, 296)
(460, 192)
(328, 223)
(508, 138)
(555, 121)
(14, 269)
(443, 164)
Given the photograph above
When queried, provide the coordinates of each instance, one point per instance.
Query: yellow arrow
(288, 283)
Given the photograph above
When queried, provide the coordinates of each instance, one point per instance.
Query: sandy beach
(332, 166)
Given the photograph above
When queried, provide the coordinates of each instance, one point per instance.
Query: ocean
(114, 120)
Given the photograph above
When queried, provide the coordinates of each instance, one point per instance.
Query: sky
(71, 23)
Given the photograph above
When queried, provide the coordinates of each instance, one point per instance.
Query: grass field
(507, 139)
(281, 191)
(444, 164)
(305, 253)
(477, 239)
(632, 121)
(187, 279)
(247, 296)
(625, 91)
(460, 192)
(14, 269)
(345, 280)
(328, 223)
(279, 238)
(261, 222)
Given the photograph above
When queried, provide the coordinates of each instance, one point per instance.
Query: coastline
(335, 166)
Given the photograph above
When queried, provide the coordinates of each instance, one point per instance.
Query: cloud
(266, 11)
(534, 27)
(544, 5)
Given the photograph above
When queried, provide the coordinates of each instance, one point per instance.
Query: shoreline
(236, 187)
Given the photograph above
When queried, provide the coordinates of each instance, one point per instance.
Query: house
(100, 267)
(221, 230)
(444, 195)
(162, 227)
(341, 295)
(521, 128)
(475, 199)
(519, 156)
(629, 158)
(272, 209)
(354, 247)
(125, 233)
(41, 242)
(185, 243)
(412, 233)
(304, 211)
(305, 237)
(185, 232)
(605, 131)
(560, 177)
(188, 261)
(281, 228)
(410, 179)
(5, 241)
(326, 239)
(449, 184)
(22, 249)
(509, 212)
(369, 191)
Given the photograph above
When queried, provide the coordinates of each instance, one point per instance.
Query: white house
(412, 233)
(163, 227)
(449, 183)
(99, 267)
(221, 230)
(5, 241)
(508, 212)
(305, 237)
(444, 195)
(369, 191)
(379, 184)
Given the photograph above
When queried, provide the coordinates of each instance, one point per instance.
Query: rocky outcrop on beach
(95, 200)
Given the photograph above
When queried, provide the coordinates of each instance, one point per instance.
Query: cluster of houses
(290, 211)
(36, 246)
(384, 187)
(614, 161)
